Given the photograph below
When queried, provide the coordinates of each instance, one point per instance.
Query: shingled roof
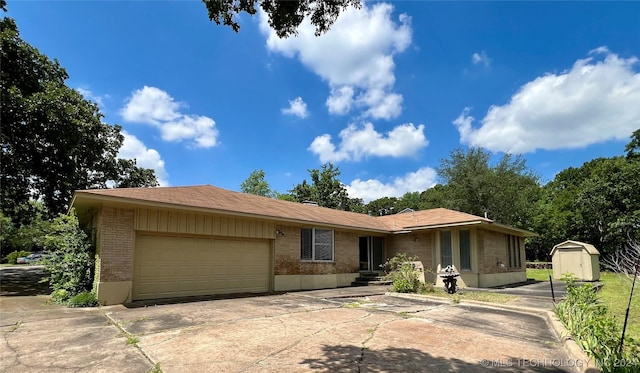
(208, 198)
(430, 218)
(224, 201)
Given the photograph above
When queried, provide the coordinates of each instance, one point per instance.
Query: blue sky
(391, 90)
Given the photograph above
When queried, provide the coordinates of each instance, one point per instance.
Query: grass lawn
(480, 296)
(615, 293)
(538, 274)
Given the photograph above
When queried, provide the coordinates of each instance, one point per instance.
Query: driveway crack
(302, 338)
(115, 323)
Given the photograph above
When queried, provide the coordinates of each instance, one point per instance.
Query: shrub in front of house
(71, 260)
(402, 272)
(84, 299)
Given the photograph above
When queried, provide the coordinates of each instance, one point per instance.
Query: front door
(371, 253)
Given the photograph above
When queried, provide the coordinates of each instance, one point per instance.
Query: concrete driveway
(306, 331)
(40, 337)
(353, 329)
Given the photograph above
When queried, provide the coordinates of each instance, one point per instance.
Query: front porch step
(370, 278)
(370, 283)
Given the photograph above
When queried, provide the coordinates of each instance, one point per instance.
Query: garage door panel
(185, 266)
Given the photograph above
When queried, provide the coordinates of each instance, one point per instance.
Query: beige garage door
(167, 267)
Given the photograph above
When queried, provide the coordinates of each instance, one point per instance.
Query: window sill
(317, 261)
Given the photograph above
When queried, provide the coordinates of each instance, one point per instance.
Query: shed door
(570, 260)
(168, 266)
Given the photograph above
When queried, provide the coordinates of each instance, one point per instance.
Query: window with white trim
(316, 244)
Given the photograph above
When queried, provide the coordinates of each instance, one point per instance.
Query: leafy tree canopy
(633, 147)
(598, 203)
(285, 16)
(256, 184)
(505, 192)
(326, 190)
(53, 141)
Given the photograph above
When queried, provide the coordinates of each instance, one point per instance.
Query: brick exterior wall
(493, 249)
(287, 254)
(406, 243)
(116, 243)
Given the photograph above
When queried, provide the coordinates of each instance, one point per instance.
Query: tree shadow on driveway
(24, 281)
(349, 358)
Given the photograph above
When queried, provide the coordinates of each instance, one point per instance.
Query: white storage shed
(579, 258)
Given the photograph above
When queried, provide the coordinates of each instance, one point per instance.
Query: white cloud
(156, 107)
(373, 189)
(133, 148)
(340, 101)
(361, 142)
(481, 58)
(595, 101)
(89, 95)
(297, 107)
(355, 57)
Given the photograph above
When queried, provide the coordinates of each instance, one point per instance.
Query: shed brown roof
(218, 200)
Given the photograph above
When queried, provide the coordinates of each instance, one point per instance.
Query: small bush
(401, 271)
(12, 257)
(85, 299)
(60, 296)
(393, 264)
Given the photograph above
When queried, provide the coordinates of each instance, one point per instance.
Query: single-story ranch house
(169, 242)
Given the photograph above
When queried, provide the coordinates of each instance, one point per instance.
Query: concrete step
(373, 278)
(371, 283)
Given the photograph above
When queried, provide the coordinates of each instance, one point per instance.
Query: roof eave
(435, 226)
(494, 225)
(504, 227)
(100, 198)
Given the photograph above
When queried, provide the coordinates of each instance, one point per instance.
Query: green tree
(6, 230)
(435, 197)
(285, 16)
(326, 190)
(409, 200)
(633, 147)
(71, 264)
(598, 203)
(382, 206)
(505, 191)
(29, 237)
(127, 174)
(53, 141)
(256, 184)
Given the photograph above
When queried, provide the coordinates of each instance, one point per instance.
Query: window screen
(306, 242)
(316, 244)
(465, 250)
(445, 248)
